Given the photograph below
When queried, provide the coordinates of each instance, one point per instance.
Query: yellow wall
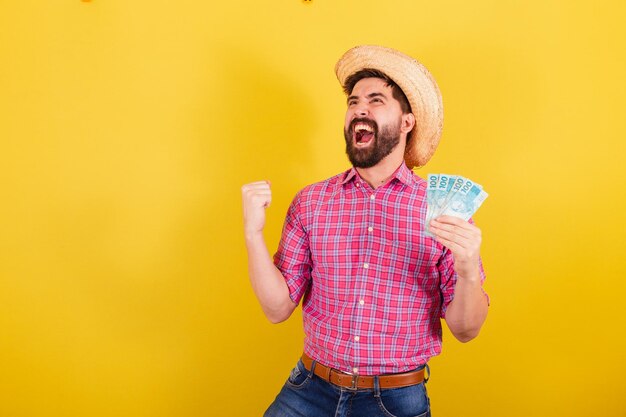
(128, 127)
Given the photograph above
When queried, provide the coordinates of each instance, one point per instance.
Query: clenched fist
(257, 196)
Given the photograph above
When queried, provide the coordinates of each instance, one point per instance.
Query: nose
(361, 110)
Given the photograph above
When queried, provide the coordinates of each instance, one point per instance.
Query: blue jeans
(307, 395)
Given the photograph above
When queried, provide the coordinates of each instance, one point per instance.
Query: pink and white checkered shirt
(375, 286)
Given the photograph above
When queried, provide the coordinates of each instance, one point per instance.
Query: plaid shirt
(374, 285)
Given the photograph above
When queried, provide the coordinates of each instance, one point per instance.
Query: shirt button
(356, 338)
(372, 197)
(370, 229)
(366, 266)
(355, 370)
(357, 184)
(361, 302)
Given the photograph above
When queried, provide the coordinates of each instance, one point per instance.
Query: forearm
(267, 281)
(467, 312)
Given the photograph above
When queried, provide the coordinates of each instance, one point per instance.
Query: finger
(452, 245)
(460, 241)
(247, 193)
(257, 199)
(434, 224)
(262, 186)
(261, 201)
(265, 201)
(264, 183)
(456, 221)
(460, 226)
(444, 218)
(261, 196)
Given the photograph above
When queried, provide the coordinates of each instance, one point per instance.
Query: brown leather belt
(354, 381)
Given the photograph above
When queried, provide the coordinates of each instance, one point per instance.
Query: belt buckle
(354, 383)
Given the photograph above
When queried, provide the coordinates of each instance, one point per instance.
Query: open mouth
(363, 134)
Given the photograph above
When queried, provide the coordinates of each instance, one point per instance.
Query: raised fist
(256, 196)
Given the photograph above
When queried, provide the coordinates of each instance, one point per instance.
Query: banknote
(465, 203)
(431, 187)
(458, 193)
(438, 195)
(452, 195)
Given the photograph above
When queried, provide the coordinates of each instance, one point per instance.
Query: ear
(408, 123)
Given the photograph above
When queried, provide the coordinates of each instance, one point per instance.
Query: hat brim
(418, 85)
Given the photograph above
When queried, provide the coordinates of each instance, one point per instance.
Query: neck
(380, 173)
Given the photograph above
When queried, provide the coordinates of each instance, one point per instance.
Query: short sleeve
(293, 257)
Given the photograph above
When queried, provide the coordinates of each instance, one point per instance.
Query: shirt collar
(402, 174)
(349, 176)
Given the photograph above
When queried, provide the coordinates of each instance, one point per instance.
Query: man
(374, 286)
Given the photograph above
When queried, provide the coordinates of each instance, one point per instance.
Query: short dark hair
(397, 92)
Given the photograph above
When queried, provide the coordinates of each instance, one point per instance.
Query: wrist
(253, 235)
(470, 275)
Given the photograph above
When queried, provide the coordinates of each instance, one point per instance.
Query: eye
(376, 100)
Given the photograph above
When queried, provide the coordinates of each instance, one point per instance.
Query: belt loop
(312, 371)
(426, 378)
(376, 387)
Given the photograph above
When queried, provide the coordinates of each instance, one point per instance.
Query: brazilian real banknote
(452, 195)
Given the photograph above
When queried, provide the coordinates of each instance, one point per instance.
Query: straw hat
(418, 86)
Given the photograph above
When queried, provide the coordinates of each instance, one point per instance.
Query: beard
(383, 143)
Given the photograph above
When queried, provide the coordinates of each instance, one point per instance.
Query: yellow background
(128, 127)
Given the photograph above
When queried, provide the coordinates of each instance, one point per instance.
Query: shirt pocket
(336, 260)
(398, 258)
(407, 255)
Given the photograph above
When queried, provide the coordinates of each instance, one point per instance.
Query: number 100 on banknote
(452, 195)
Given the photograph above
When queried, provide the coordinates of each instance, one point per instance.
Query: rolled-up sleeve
(448, 280)
(293, 257)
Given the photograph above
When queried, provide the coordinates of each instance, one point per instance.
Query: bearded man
(373, 285)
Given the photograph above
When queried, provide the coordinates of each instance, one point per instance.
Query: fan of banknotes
(452, 195)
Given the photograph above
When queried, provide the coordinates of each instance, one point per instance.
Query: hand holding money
(463, 239)
(452, 200)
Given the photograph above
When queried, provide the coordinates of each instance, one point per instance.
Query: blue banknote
(430, 195)
(438, 196)
(465, 203)
(461, 188)
(452, 195)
